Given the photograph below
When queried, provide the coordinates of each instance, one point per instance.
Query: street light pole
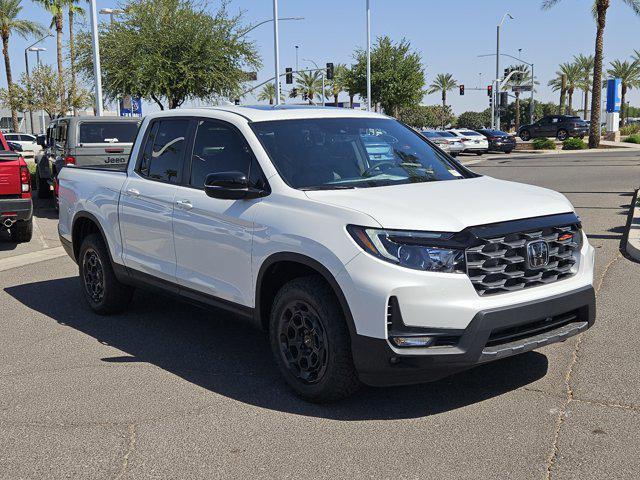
(297, 66)
(533, 79)
(496, 93)
(26, 62)
(96, 57)
(276, 49)
(368, 57)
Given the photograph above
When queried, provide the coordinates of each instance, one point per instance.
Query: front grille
(511, 334)
(499, 264)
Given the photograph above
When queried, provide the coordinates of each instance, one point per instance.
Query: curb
(633, 234)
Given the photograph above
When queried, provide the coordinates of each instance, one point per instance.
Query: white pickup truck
(362, 268)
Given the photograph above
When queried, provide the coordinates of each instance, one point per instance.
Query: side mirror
(230, 186)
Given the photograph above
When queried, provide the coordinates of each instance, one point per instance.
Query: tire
(525, 135)
(43, 187)
(102, 290)
(22, 231)
(307, 328)
(508, 151)
(562, 134)
(480, 153)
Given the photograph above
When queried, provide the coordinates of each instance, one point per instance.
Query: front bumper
(18, 208)
(380, 365)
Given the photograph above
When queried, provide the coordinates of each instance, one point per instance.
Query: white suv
(366, 254)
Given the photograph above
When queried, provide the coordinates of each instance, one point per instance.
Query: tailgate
(109, 155)
(9, 175)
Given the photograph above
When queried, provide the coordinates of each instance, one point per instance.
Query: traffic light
(304, 96)
(289, 75)
(461, 89)
(507, 71)
(490, 91)
(504, 99)
(329, 71)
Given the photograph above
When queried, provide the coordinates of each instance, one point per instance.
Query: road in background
(171, 391)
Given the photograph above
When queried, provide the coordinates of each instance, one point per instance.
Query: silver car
(445, 140)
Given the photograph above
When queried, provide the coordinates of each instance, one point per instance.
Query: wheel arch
(84, 224)
(292, 265)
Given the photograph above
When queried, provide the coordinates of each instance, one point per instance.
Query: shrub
(544, 144)
(630, 129)
(633, 139)
(574, 144)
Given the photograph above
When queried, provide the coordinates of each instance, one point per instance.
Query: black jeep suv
(558, 126)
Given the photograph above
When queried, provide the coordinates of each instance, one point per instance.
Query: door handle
(132, 192)
(184, 204)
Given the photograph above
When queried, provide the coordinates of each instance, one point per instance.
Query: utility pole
(297, 66)
(368, 57)
(96, 57)
(276, 49)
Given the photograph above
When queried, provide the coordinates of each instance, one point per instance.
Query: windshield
(108, 132)
(333, 153)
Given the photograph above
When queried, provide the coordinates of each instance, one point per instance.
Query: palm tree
(572, 71)
(349, 84)
(310, 84)
(585, 65)
(516, 81)
(74, 10)
(444, 82)
(268, 93)
(599, 10)
(9, 24)
(337, 85)
(629, 74)
(56, 9)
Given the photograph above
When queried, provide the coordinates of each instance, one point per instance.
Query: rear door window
(107, 132)
(163, 154)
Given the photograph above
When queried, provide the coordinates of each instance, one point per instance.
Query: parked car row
(464, 140)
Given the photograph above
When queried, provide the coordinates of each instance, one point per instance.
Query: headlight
(416, 250)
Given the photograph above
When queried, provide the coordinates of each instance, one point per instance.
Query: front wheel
(562, 135)
(525, 135)
(102, 290)
(310, 341)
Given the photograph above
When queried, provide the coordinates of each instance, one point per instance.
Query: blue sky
(449, 35)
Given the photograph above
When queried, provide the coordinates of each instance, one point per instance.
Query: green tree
(444, 82)
(585, 65)
(310, 84)
(629, 74)
(73, 10)
(572, 71)
(168, 51)
(599, 9)
(56, 9)
(474, 120)
(349, 84)
(397, 77)
(9, 24)
(268, 93)
(338, 84)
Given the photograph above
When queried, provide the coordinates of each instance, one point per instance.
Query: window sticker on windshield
(455, 173)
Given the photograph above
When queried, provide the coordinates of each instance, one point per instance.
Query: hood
(448, 206)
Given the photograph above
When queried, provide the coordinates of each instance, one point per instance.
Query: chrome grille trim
(498, 264)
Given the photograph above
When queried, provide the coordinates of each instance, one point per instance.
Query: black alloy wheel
(93, 275)
(303, 342)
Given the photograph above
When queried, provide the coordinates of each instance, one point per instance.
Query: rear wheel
(310, 341)
(525, 135)
(22, 231)
(562, 135)
(102, 290)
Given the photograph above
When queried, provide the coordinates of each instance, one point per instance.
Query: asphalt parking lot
(171, 391)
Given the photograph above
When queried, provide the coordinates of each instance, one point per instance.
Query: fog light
(422, 341)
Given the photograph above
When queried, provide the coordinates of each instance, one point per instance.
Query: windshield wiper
(329, 187)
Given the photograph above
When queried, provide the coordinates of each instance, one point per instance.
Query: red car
(16, 207)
